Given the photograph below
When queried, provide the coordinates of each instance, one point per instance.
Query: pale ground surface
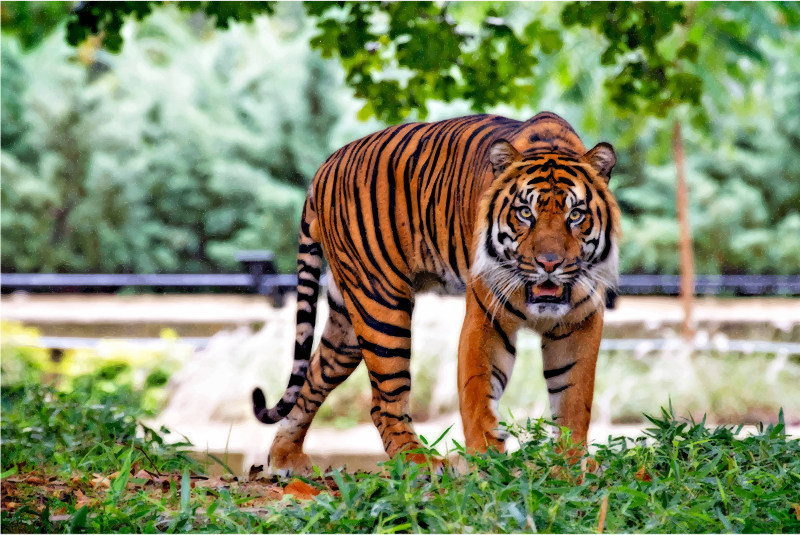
(213, 387)
(244, 309)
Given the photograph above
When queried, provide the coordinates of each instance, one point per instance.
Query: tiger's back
(420, 183)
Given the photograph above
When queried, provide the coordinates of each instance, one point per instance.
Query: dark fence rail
(712, 284)
(266, 284)
(47, 280)
(261, 278)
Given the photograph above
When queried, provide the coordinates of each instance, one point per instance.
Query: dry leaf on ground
(642, 475)
(76, 480)
(300, 490)
(81, 499)
(100, 481)
(213, 483)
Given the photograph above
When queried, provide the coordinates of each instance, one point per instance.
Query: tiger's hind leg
(337, 356)
(383, 331)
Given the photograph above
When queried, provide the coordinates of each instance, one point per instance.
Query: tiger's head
(548, 230)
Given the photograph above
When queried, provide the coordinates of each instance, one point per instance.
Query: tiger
(516, 215)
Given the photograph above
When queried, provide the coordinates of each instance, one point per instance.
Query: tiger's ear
(501, 155)
(602, 158)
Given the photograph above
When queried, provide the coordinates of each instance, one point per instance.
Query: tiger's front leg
(486, 356)
(570, 357)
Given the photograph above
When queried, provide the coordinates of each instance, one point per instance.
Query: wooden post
(685, 233)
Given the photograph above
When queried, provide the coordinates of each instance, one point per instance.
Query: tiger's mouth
(547, 292)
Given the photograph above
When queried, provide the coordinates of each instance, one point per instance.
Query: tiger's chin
(548, 299)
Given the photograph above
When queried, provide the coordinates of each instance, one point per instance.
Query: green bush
(153, 161)
(191, 144)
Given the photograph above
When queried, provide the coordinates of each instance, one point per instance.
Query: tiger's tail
(309, 265)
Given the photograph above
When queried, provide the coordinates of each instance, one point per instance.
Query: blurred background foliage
(113, 367)
(141, 137)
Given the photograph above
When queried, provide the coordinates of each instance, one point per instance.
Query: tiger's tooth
(536, 290)
(558, 292)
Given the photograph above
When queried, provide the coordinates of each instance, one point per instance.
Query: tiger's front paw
(488, 435)
(290, 463)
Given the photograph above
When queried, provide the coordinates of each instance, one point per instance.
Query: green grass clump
(83, 429)
(686, 479)
(683, 478)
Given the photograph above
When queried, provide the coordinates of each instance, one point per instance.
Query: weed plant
(84, 429)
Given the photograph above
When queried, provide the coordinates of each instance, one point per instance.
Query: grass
(78, 461)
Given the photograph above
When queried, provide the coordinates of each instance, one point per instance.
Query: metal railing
(47, 280)
(262, 278)
(712, 284)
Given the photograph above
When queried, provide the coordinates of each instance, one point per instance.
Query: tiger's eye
(525, 212)
(575, 215)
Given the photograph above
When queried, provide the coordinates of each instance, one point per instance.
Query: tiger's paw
(289, 464)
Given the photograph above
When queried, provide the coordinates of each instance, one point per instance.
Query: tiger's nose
(549, 261)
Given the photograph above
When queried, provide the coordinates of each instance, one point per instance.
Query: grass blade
(186, 488)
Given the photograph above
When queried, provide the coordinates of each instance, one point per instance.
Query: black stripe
(507, 305)
(588, 296)
(390, 395)
(406, 137)
(559, 389)
(296, 380)
(496, 324)
(402, 374)
(304, 316)
(341, 350)
(310, 249)
(388, 329)
(549, 374)
(341, 309)
(551, 336)
(402, 418)
(336, 376)
(350, 365)
(500, 376)
(305, 268)
(383, 352)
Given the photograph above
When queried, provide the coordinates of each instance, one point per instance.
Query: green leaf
(689, 51)
(186, 489)
(79, 520)
(10, 472)
(344, 488)
(119, 483)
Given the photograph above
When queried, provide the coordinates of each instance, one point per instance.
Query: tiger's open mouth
(547, 292)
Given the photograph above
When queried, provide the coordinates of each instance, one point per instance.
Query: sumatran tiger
(517, 215)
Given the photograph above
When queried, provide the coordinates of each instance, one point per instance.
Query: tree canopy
(400, 55)
(198, 140)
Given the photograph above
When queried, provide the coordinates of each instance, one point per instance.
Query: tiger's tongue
(548, 289)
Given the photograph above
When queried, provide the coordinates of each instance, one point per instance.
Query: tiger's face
(548, 229)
